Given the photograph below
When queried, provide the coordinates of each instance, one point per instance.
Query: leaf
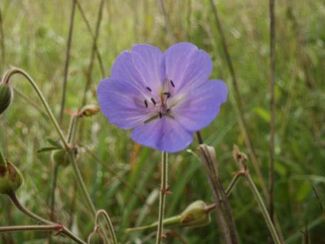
(46, 149)
(54, 143)
(263, 114)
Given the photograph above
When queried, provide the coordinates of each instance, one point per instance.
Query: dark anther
(172, 83)
(153, 101)
(146, 103)
(148, 88)
(168, 110)
(160, 115)
(167, 94)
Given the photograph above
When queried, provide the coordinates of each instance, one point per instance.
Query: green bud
(10, 177)
(61, 157)
(195, 215)
(6, 95)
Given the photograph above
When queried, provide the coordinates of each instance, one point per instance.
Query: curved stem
(109, 223)
(162, 198)
(62, 228)
(263, 209)
(6, 80)
(53, 188)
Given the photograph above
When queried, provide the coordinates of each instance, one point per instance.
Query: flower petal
(118, 101)
(164, 134)
(201, 105)
(148, 61)
(187, 66)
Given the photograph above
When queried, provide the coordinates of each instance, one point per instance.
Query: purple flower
(163, 97)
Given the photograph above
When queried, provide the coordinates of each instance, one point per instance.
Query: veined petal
(201, 105)
(187, 66)
(118, 101)
(148, 61)
(164, 134)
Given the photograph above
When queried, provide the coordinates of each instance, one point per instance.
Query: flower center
(159, 104)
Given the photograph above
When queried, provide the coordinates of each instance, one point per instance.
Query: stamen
(146, 103)
(160, 115)
(167, 94)
(168, 110)
(153, 101)
(149, 89)
(172, 83)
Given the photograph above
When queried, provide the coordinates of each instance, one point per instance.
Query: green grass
(124, 179)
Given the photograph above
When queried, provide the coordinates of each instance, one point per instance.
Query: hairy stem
(162, 197)
(67, 60)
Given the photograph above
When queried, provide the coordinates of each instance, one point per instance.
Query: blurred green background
(122, 177)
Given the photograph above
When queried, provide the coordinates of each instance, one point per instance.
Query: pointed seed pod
(196, 215)
(10, 177)
(6, 95)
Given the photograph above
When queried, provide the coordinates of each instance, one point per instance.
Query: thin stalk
(2, 44)
(272, 108)
(238, 99)
(27, 212)
(233, 183)
(93, 51)
(14, 71)
(109, 223)
(162, 198)
(53, 188)
(17, 228)
(81, 184)
(67, 60)
(99, 57)
(263, 209)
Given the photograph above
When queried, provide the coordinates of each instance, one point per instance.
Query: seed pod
(195, 215)
(6, 95)
(10, 177)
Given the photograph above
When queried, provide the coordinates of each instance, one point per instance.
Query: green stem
(16, 228)
(109, 223)
(6, 80)
(62, 228)
(162, 198)
(233, 183)
(263, 209)
(82, 183)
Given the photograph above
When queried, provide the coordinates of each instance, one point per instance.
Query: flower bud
(10, 177)
(61, 157)
(6, 95)
(89, 110)
(196, 214)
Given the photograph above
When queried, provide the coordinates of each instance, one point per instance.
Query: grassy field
(122, 177)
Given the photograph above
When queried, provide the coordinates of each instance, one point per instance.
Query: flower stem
(162, 198)
(233, 183)
(59, 227)
(81, 183)
(6, 80)
(109, 223)
(263, 209)
(29, 228)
